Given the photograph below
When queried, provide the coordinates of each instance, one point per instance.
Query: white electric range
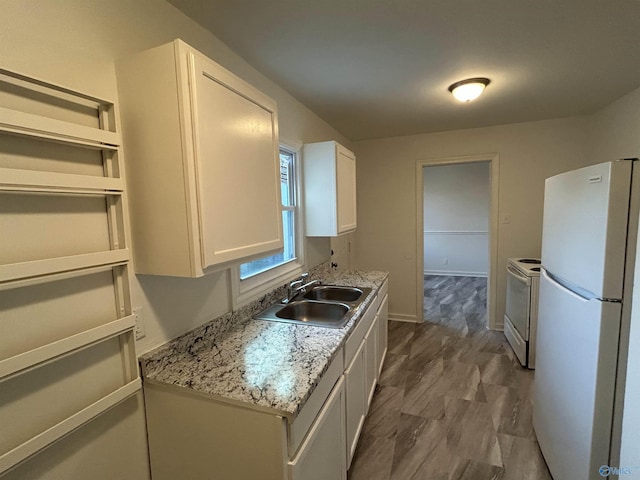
(521, 313)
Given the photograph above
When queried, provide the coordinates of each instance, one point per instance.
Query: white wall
(75, 43)
(528, 153)
(616, 134)
(343, 251)
(615, 130)
(456, 202)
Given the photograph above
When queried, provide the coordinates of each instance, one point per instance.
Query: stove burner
(529, 260)
(535, 269)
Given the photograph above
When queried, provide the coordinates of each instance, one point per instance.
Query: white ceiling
(380, 68)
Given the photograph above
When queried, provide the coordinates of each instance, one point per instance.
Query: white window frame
(245, 291)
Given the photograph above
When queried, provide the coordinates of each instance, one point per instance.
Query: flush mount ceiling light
(469, 89)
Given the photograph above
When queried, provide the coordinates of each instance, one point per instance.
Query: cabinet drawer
(301, 425)
(358, 333)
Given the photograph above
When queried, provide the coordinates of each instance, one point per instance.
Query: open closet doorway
(457, 239)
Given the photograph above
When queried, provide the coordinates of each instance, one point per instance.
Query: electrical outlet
(140, 333)
(445, 261)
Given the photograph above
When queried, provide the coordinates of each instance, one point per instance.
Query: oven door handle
(515, 273)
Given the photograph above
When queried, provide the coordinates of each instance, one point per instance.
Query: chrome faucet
(298, 286)
(292, 291)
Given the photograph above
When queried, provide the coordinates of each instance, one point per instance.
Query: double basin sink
(323, 305)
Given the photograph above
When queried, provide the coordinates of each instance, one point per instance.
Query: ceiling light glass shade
(470, 89)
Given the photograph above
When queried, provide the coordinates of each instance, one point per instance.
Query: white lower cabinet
(356, 399)
(322, 455)
(193, 436)
(361, 374)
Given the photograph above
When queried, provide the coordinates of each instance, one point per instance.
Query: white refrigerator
(590, 216)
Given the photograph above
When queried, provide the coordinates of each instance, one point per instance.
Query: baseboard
(456, 274)
(401, 317)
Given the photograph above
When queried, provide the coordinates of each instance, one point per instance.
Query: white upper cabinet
(203, 163)
(329, 189)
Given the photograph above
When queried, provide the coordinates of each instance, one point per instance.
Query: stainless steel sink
(323, 306)
(309, 312)
(335, 293)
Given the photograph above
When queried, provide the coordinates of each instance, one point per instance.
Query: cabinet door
(237, 165)
(356, 393)
(371, 355)
(323, 454)
(346, 189)
(383, 331)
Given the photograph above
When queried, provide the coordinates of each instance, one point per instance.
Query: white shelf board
(26, 282)
(12, 179)
(46, 353)
(13, 121)
(13, 457)
(19, 271)
(39, 85)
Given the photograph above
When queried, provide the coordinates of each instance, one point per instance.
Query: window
(263, 274)
(288, 188)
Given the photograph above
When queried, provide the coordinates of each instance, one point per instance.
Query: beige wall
(343, 251)
(615, 130)
(386, 238)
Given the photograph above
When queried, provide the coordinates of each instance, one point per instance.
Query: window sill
(245, 291)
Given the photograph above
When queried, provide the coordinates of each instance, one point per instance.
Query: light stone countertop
(270, 366)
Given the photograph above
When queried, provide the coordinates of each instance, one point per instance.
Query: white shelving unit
(67, 347)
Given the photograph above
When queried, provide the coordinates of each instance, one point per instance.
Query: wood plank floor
(452, 403)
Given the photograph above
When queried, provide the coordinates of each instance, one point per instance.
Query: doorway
(457, 244)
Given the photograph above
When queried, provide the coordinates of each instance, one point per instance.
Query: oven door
(518, 301)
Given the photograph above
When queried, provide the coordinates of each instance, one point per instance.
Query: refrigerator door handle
(582, 295)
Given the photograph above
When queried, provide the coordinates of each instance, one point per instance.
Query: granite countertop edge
(273, 367)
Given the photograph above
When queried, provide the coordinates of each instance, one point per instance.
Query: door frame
(494, 175)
